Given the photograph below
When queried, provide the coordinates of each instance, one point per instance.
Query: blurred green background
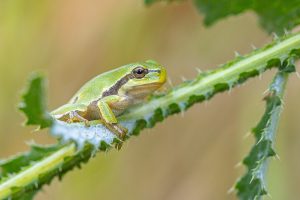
(190, 157)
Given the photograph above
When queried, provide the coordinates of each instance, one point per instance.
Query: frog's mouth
(144, 90)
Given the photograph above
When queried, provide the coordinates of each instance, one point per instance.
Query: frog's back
(94, 89)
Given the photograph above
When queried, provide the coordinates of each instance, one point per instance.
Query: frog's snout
(162, 76)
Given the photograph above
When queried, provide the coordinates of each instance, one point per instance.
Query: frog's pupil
(140, 71)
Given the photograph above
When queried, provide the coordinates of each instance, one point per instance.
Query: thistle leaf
(274, 16)
(33, 103)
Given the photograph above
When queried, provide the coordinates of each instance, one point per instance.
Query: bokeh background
(191, 157)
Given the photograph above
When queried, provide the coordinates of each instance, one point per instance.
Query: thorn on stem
(170, 82)
(277, 156)
(237, 54)
(286, 32)
(253, 47)
(260, 76)
(275, 36)
(298, 74)
(252, 178)
(261, 139)
(239, 164)
(198, 70)
(93, 154)
(30, 142)
(229, 88)
(205, 103)
(247, 135)
(266, 92)
(269, 195)
(182, 113)
(231, 190)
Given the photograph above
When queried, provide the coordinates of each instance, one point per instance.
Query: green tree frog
(107, 95)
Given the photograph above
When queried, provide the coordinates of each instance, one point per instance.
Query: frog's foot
(119, 131)
(75, 117)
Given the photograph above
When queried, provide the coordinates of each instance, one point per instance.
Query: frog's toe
(120, 131)
(123, 133)
(119, 145)
(87, 123)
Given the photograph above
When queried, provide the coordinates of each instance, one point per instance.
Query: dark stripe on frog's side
(115, 88)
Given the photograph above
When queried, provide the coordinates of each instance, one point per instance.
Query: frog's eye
(139, 72)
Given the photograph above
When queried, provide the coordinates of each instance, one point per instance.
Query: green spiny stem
(33, 177)
(26, 177)
(253, 184)
(203, 87)
(223, 78)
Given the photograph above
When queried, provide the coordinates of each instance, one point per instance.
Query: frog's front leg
(109, 118)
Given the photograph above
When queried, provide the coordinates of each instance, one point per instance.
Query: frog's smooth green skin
(107, 95)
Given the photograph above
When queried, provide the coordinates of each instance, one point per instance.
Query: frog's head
(145, 78)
